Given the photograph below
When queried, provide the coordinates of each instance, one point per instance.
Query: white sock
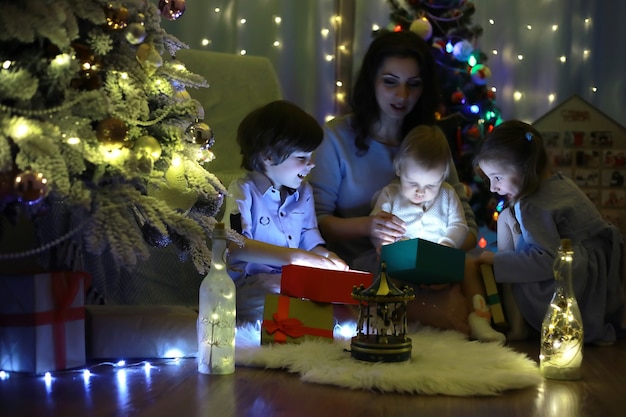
(480, 322)
(481, 330)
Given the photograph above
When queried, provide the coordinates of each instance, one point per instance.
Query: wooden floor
(175, 389)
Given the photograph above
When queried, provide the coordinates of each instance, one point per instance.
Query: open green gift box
(422, 262)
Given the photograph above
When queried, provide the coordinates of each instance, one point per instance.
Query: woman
(396, 90)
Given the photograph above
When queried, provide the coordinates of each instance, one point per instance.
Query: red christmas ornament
(112, 132)
(30, 187)
(457, 97)
(172, 9)
(88, 77)
(473, 132)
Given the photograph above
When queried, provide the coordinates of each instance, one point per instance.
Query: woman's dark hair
(519, 147)
(404, 44)
(275, 131)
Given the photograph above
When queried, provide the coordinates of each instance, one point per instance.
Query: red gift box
(322, 285)
(42, 322)
(291, 320)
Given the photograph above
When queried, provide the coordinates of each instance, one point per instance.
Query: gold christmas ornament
(422, 27)
(112, 132)
(148, 146)
(135, 33)
(172, 9)
(149, 58)
(199, 133)
(117, 18)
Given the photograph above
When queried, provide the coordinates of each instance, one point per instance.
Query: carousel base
(372, 348)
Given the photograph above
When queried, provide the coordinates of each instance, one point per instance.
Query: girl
(545, 207)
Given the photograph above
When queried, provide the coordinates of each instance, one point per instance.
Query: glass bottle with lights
(217, 313)
(562, 336)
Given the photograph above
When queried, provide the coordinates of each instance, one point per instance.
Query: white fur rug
(443, 362)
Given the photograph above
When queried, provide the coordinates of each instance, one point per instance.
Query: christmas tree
(96, 123)
(468, 108)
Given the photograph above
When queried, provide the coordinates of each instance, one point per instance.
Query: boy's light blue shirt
(291, 224)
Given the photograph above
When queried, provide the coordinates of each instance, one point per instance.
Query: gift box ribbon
(64, 286)
(282, 325)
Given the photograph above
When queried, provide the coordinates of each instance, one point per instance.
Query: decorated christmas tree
(469, 109)
(101, 146)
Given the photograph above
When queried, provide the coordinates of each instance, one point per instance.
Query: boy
(272, 206)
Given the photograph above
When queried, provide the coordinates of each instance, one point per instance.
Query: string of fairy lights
(172, 356)
(522, 96)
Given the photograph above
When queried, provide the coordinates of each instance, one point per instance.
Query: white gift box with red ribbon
(42, 321)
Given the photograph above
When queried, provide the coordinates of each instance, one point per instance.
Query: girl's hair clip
(529, 136)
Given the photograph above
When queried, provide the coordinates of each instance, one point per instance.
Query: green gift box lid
(422, 262)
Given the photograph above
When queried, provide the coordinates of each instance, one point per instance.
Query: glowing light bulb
(517, 96)
(563, 58)
(61, 59)
(7, 64)
(555, 28)
(492, 22)
(324, 32)
(277, 20)
(520, 57)
(242, 21)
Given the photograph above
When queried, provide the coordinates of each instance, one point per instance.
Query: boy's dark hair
(519, 147)
(427, 146)
(404, 44)
(275, 131)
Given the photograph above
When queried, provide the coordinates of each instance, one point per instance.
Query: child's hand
(486, 257)
(329, 260)
(339, 263)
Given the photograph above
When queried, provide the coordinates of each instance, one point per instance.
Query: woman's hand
(385, 228)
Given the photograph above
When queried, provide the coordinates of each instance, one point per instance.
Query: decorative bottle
(216, 314)
(562, 336)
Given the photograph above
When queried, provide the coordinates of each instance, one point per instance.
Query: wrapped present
(42, 321)
(292, 320)
(156, 331)
(422, 262)
(322, 285)
(493, 299)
